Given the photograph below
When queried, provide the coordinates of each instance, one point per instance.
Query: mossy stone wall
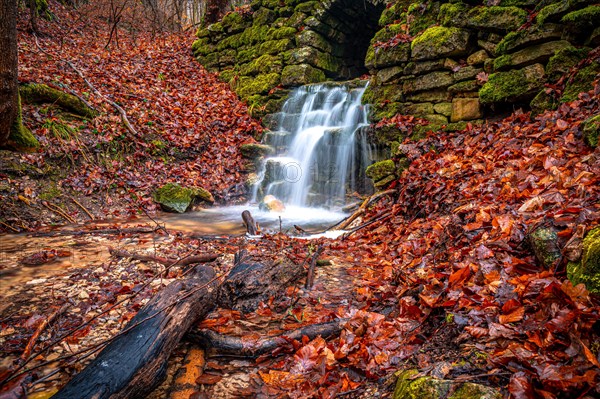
(275, 45)
(453, 61)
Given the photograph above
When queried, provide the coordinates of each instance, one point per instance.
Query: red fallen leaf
(520, 386)
(561, 124)
(512, 317)
(459, 276)
(208, 379)
(477, 332)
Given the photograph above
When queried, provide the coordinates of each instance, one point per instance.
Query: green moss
(591, 130)
(409, 387)
(502, 62)
(296, 75)
(509, 40)
(542, 102)
(582, 82)
(202, 33)
(263, 64)
(263, 17)
(216, 29)
(392, 14)
(281, 33)
(41, 93)
(59, 130)
(227, 74)
(380, 170)
(254, 34)
(230, 41)
(551, 12)
(543, 240)
(260, 84)
(584, 18)
(494, 18)
(247, 54)
(512, 86)
(174, 198)
(422, 18)
(275, 46)
(255, 150)
(587, 271)
(306, 7)
(385, 34)
(51, 192)
(563, 60)
(20, 138)
(435, 36)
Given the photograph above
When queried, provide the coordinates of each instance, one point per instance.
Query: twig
(58, 211)
(9, 227)
(310, 277)
(362, 209)
(380, 217)
(139, 230)
(163, 261)
(32, 341)
(83, 208)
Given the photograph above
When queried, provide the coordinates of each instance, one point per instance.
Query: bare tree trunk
(9, 89)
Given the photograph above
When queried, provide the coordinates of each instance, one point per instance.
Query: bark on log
(135, 362)
(228, 345)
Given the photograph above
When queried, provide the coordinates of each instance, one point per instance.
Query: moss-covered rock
(409, 387)
(263, 64)
(297, 75)
(585, 18)
(382, 57)
(433, 80)
(174, 198)
(395, 12)
(587, 271)
(478, 57)
(544, 242)
(468, 86)
(539, 53)
(513, 86)
(260, 84)
(381, 170)
(275, 46)
(591, 129)
(542, 102)
(536, 34)
(582, 82)
(493, 19)
(314, 57)
(439, 42)
(563, 60)
(255, 150)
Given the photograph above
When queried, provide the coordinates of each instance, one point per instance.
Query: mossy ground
(587, 271)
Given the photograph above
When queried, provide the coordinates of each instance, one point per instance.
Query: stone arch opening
(347, 27)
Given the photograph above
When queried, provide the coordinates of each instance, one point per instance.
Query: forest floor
(440, 279)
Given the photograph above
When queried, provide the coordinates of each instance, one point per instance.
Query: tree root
(163, 261)
(239, 346)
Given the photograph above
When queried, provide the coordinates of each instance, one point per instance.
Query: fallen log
(216, 343)
(134, 363)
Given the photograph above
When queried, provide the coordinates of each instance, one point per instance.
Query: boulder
(271, 204)
(583, 81)
(174, 198)
(561, 62)
(513, 86)
(587, 270)
(591, 129)
(409, 387)
(439, 42)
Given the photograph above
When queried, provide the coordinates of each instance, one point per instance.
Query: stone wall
(446, 61)
(274, 45)
(451, 62)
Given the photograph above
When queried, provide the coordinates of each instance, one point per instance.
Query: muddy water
(90, 250)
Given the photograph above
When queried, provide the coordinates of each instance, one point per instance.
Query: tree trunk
(215, 9)
(9, 89)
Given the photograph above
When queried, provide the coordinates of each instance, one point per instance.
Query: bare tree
(9, 90)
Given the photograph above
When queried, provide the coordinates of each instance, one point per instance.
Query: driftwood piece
(249, 223)
(344, 224)
(227, 345)
(189, 260)
(310, 276)
(135, 362)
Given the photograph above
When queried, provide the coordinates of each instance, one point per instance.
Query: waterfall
(321, 149)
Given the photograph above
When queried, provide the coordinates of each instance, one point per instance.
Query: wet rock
(271, 204)
(297, 75)
(434, 80)
(439, 42)
(582, 82)
(255, 150)
(544, 241)
(381, 170)
(537, 34)
(587, 270)
(493, 19)
(174, 198)
(382, 57)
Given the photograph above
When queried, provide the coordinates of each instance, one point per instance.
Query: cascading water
(321, 147)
